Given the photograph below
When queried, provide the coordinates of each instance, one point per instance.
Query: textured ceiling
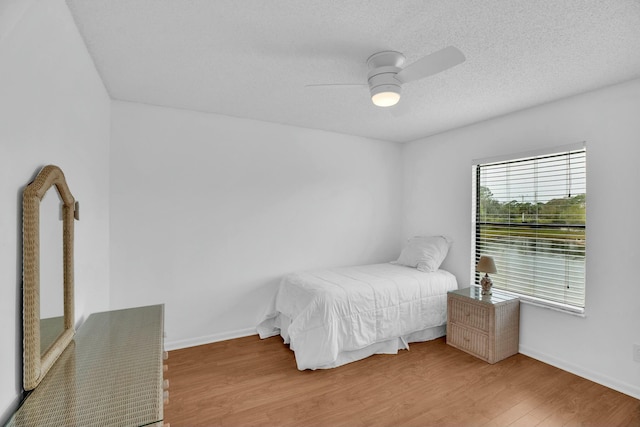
(253, 58)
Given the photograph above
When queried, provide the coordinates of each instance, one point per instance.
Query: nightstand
(484, 326)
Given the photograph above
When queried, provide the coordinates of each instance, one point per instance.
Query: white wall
(53, 109)
(438, 199)
(209, 211)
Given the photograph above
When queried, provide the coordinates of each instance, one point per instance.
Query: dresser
(486, 326)
(111, 374)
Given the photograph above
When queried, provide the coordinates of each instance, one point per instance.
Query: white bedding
(328, 314)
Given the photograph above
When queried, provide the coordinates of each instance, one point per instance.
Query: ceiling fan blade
(431, 64)
(336, 85)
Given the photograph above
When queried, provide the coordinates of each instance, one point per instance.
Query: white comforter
(347, 309)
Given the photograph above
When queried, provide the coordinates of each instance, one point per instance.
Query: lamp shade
(486, 265)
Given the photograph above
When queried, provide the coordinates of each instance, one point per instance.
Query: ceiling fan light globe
(385, 95)
(385, 99)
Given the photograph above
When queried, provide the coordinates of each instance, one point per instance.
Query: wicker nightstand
(486, 327)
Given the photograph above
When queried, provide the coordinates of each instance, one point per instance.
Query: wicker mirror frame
(36, 365)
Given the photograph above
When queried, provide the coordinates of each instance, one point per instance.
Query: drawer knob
(165, 396)
(165, 384)
(165, 368)
(165, 355)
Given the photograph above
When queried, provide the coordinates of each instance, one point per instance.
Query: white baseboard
(208, 339)
(621, 386)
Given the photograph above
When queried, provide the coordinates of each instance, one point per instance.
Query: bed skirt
(280, 325)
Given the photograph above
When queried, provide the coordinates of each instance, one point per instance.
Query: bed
(337, 316)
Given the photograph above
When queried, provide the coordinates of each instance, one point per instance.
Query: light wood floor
(252, 382)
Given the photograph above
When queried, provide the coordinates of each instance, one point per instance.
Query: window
(530, 216)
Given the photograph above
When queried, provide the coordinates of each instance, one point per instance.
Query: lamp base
(486, 285)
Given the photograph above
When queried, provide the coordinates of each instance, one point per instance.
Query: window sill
(567, 309)
(553, 307)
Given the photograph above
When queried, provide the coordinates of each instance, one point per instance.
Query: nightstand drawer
(469, 314)
(468, 340)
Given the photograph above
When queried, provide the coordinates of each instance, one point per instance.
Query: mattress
(332, 317)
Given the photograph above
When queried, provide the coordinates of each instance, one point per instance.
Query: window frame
(530, 299)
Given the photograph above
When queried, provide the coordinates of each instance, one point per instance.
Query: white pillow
(425, 253)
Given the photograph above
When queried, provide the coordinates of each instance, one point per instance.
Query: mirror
(48, 313)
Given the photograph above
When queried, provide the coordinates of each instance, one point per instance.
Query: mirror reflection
(51, 269)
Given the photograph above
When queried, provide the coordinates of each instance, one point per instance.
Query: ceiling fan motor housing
(383, 67)
(383, 79)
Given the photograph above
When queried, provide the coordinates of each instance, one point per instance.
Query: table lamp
(486, 265)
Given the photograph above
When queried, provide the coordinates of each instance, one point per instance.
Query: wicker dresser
(484, 326)
(110, 374)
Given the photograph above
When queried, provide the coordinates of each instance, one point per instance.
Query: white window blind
(531, 218)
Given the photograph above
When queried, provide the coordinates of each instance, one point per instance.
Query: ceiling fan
(386, 75)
